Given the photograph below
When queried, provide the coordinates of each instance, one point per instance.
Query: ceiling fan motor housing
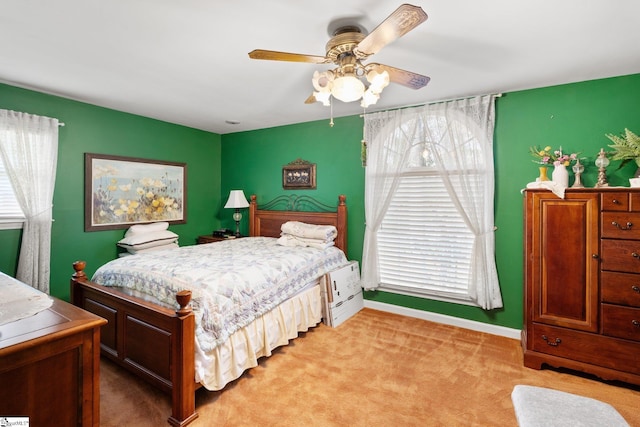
(343, 42)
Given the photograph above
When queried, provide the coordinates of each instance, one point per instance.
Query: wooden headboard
(267, 220)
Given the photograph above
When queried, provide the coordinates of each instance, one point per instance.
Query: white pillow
(146, 228)
(148, 240)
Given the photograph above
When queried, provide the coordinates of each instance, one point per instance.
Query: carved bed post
(342, 223)
(79, 274)
(183, 371)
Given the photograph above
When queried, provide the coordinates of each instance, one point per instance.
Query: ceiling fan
(347, 48)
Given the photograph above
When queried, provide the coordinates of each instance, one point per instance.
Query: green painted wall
(253, 161)
(574, 116)
(99, 130)
(9, 241)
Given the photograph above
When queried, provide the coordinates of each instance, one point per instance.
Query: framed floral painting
(122, 191)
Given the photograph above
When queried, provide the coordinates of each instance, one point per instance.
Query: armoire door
(562, 257)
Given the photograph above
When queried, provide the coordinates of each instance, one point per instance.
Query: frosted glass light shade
(322, 81)
(237, 200)
(369, 98)
(347, 88)
(324, 97)
(379, 79)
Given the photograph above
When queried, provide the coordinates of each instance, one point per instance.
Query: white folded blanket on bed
(291, 240)
(324, 233)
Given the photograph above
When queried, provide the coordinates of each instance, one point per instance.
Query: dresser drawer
(612, 201)
(620, 288)
(634, 202)
(620, 225)
(622, 322)
(621, 255)
(586, 347)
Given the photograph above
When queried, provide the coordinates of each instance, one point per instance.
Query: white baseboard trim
(444, 319)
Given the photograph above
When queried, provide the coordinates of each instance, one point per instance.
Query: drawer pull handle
(622, 227)
(615, 202)
(635, 323)
(553, 343)
(635, 255)
(635, 288)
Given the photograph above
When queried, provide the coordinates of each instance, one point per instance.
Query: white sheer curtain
(457, 138)
(388, 150)
(29, 150)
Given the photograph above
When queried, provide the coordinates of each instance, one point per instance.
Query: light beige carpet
(376, 369)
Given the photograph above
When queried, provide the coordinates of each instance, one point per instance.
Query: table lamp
(237, 201)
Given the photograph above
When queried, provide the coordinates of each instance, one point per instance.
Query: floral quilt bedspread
(232, 282)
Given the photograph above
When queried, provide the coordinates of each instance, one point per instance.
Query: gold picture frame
(122, 191)
(299, 174)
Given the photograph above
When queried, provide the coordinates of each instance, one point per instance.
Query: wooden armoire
(582, 281)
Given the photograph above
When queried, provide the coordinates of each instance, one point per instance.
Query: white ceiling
(186, 61)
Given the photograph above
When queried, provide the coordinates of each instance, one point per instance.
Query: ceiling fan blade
(311, 99)
(273, 55)
(406, 78)
(401, 21)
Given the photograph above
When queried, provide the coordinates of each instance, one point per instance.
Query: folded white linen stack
(295, 233)
(141, 238)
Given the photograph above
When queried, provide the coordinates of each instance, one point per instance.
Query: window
(429, 202)
(425, 246)
(11, 215)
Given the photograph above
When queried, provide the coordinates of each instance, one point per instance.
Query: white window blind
(425, 246)
(11, 215)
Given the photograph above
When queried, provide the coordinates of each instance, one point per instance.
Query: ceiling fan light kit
(347, 48)
(348, 86)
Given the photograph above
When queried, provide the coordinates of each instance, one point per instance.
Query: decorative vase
(560, 175)
(543, 174)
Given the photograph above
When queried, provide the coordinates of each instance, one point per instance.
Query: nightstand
(211, 239)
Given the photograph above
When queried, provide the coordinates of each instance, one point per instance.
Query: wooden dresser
(50, 367)
(582, 281)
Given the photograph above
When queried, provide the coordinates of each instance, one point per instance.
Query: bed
(161, 343)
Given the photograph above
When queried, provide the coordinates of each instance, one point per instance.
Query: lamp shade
(237, 200)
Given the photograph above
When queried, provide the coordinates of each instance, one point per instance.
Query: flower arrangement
(547, 156)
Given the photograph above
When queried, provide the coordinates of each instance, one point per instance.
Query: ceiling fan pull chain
(331, 107)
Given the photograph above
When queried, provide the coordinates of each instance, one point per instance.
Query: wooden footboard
(153, 342)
